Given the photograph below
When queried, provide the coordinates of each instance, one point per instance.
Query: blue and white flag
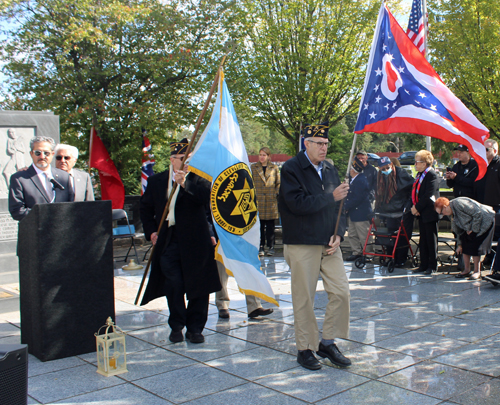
(221, 158)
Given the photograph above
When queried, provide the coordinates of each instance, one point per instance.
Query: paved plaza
(415, 339)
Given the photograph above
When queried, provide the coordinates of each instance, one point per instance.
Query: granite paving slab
(480, 357)
(489, 315)
(216, 345)
(255, 363)
(152, 362)
(484, 394)
(236, 320)
(420, 344)
(443, 288)
(247, 394)
(140, 320)
(410, 317)
(436, 380)
(466, 301)
(361, 309)
(376, 392)
(368, 331)
(263, 333)
(189, 383)
(58, 385)
(37, 367)
(125, 394)
(312, 386)
(373, 362)
(462, 329)
(7, 329)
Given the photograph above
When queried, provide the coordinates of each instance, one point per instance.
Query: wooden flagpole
(346, 179)
(172, 192)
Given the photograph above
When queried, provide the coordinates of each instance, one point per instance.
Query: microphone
(56, 184)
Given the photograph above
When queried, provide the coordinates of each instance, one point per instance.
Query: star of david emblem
(246, 202)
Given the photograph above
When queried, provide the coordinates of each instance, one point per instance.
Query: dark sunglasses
(59, 157)
(488, 149)
(39, 152)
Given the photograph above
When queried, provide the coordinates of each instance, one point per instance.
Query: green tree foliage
(464, 39)
(302, 61)
(126, 64)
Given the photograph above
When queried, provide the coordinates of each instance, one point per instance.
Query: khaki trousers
(222, 296)
(307, 263)
(357, 237)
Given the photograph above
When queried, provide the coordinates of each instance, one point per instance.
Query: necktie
(48, 187)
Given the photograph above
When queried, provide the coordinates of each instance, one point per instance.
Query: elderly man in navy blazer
(359, 209)
(66, 157)
(40, 183)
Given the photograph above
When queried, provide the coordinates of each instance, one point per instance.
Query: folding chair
(119, 215)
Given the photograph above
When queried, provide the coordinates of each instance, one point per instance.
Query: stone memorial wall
(16, 130)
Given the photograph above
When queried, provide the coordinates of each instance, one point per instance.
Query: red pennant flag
(111, 184)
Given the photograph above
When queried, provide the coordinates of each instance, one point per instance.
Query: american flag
(148, 161)
(403, 93)
(416, 31)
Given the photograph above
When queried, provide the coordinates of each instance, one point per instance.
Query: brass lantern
(111, 353)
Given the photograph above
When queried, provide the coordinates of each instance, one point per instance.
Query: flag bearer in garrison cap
(309, 202)
(183, 260)
(359, 209)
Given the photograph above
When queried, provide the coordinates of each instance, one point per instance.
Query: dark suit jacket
(192, 231)
(427, 196)
(83, 186)
(26, 190)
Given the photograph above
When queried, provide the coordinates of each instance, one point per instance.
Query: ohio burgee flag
(220, 157)
(403, 93)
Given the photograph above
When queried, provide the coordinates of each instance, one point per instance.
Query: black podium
(66, 277)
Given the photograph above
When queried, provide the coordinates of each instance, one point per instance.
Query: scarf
(171, 209)
(386, 188)
(416, 185)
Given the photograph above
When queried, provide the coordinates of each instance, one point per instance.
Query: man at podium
(40, 183)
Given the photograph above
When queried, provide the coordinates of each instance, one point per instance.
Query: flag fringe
(264, 297)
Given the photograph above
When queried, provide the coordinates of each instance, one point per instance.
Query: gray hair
(494, 144)
(73, 151)
(47, 139)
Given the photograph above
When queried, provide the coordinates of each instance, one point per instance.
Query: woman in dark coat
(473, 223)
(425, 192)
(393, 196)
(266, 177)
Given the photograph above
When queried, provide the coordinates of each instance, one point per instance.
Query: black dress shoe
(463, 275)
(176, 336)
(306, 359)
(195, 337)
(352, 258)
(260, 312)
(333, 353)
(223, 313)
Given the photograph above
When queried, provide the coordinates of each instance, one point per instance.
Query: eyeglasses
(321, 144)
(488, 149)
(418, 161)
(59, 157)
(442, 209)
(39, 152)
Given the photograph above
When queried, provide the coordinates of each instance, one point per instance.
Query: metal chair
(119, 215)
